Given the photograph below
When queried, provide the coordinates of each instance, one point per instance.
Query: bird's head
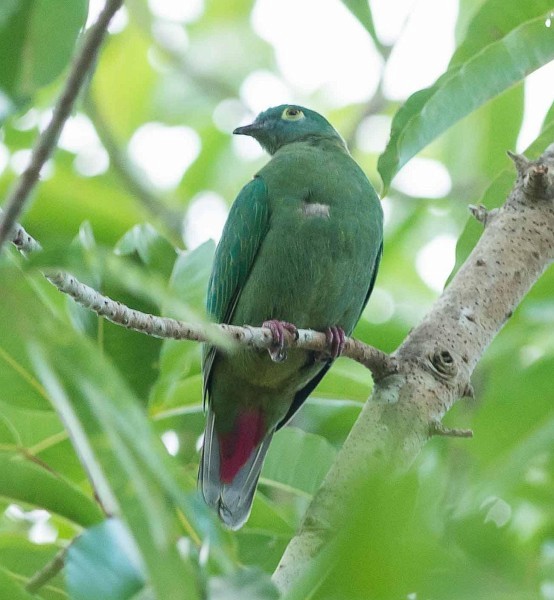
(288, 123)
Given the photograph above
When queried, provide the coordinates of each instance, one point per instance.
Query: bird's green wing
(373, 277)
(246, 227)
(242, 236)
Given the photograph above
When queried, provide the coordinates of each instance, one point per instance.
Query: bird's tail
(230, 465)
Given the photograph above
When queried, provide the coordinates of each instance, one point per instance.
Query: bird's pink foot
(335, 339)
(278, 351)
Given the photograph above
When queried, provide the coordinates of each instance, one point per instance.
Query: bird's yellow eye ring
(292, 114)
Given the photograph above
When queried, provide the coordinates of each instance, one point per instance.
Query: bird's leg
(278, 351)
(335, 339)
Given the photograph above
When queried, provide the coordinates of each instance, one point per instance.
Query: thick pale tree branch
(437, 359)
(82, 65)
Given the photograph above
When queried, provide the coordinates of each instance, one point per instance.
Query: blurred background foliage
(97, 420)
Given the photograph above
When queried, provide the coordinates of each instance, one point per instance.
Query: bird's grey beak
(247, 129)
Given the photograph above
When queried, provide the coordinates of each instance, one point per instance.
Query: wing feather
(236, 252)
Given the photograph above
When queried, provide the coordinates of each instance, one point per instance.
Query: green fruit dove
(301, 248)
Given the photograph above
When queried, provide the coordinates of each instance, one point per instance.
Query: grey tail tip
(232, 521)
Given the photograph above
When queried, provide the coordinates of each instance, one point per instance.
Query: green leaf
(362, 11)
(512, 445)
(7, 9)
(549, 118)
(34, 49)
(462, 89)
(35, 431)
(189, 279)
(24, 481)
(153, 249)
(19, 314)
(8, 433)
(495, 19)
(270, 526)
(179, 382)
(123, 88)
(62, 201)
(329, 418)
(11, 588)
(17, 384)
(252, 584)
(346, 380)
(14, 547)
(297, 461)
(104, 563)
(125, 460)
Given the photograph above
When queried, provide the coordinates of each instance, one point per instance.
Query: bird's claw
(335, 340)
(278, 351)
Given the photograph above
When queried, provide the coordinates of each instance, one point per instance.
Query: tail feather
(230, 490)
(209, 463)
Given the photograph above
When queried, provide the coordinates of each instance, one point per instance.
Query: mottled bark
(437, 359)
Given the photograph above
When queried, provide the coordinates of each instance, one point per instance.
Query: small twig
(25, 243)
(469, 392)
(379, 363)
(82, 64)
(479, 212)
(438, 428)
(48, 572)
(520, 161)
(482, 214)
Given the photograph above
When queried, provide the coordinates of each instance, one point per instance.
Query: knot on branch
(521, 163)
(535, 182)
(443, 365)
(482, 214)
(534, 175)
(438, 428)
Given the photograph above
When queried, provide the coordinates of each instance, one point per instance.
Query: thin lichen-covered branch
(259, 338)
(437, 359)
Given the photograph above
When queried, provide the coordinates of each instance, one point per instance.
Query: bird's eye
(292, 114)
